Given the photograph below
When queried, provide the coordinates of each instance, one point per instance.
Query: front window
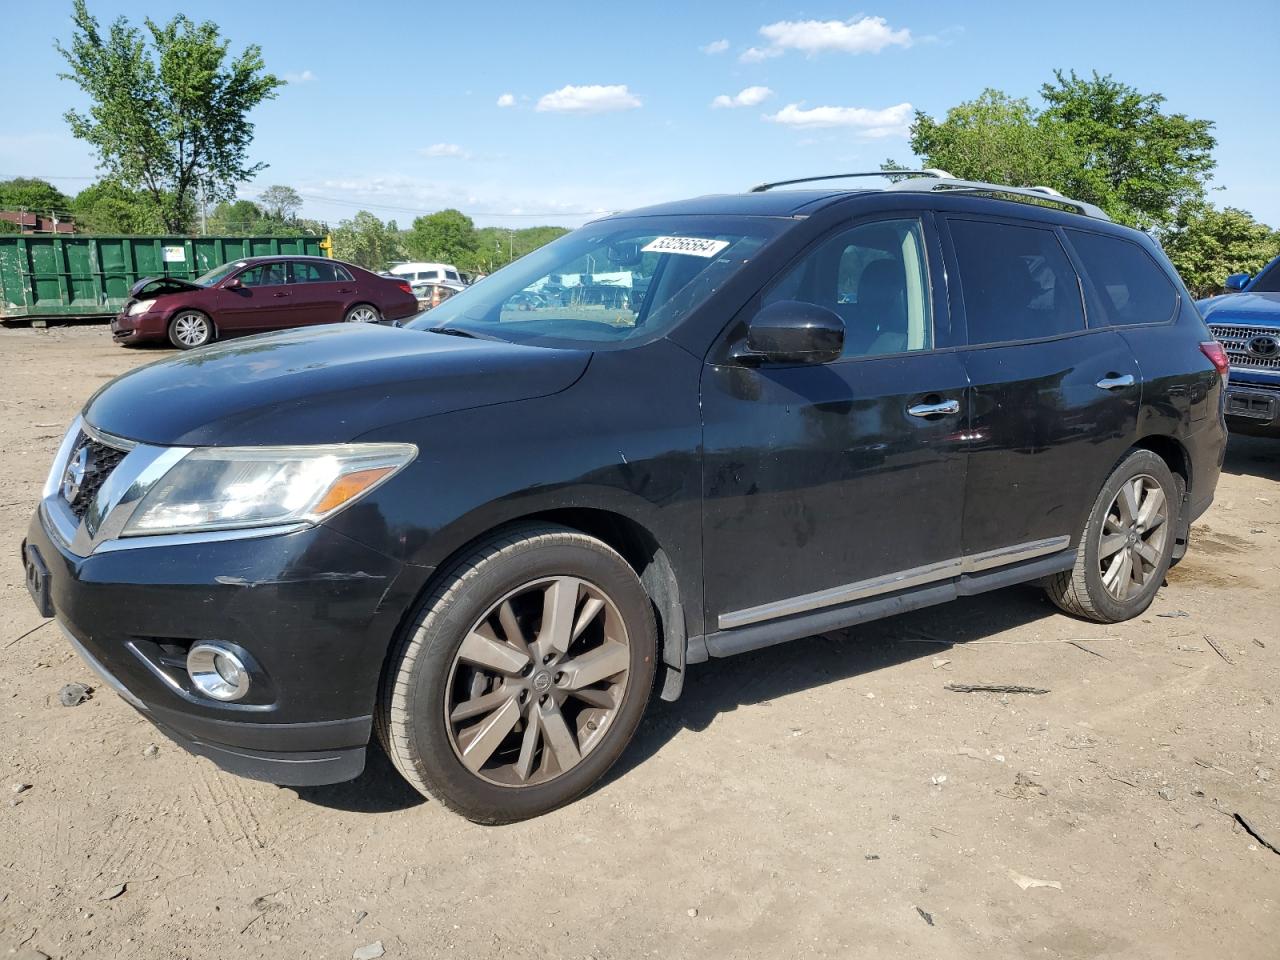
(607, 283)
(1268, 281)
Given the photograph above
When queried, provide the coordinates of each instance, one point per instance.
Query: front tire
(522, 677)
(1127, 544)
(363, 313)
(190, 329)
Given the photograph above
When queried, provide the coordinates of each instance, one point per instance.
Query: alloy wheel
(191, 329)
(537, 681)
(363, 315)
(1132, 540)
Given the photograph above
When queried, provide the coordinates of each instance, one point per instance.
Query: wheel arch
(634, 542)
(1176, 458)
(176, 312)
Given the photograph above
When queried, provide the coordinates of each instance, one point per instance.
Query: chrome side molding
(901, 580)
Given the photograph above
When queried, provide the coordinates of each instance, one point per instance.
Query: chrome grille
(1236, 338)
(99, 461)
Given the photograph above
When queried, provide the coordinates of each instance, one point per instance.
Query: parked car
(1246, 320)
(255, 295)
(486, 537)
(431, 295)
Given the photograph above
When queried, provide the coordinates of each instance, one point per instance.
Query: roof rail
(931, 173)
(1044, 194)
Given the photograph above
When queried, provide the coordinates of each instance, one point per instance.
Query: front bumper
(315, 610)
(139, 328)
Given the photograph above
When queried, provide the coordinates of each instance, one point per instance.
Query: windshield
(1268, 281)
(607, 283)
(217, 273)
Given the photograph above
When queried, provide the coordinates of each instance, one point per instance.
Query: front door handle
(1116, 382)
(943, 408)
(280, 294)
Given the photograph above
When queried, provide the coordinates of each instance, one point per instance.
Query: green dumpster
(78, 275)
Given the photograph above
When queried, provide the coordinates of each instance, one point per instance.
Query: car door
(829, 484)
(258, 302)
(1053, 400)
(317, 294)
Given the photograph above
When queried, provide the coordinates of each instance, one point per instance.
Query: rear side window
(1133, 289)
(1017, 282)
(341, 273)
(307, 272)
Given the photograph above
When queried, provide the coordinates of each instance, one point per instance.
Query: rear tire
(363, 313)
(1125, 550)
(190, 329)
(522, 676)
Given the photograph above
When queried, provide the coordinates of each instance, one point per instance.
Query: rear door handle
(1114, 382)
(943, 408)
(345, 290)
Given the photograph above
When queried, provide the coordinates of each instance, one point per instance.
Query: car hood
(327, 384)
(158, 286)
(1250, 308)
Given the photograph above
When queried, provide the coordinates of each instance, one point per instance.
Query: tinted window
(341, 273)
(305, 271)
(267, 275)
(875, 277)
(1268, 280)
(1133, 289)
(1017, 282)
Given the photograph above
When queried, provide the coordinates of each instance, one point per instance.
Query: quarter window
(1132, 287)
(1017, 282)
(341, 273)
(875, 277)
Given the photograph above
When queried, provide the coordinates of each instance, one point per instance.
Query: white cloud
(306, 76)
(507, 100)
(715, 46)
(892, 121)
(445, 150)
(860, 35)
(592, 98)
(750, 97)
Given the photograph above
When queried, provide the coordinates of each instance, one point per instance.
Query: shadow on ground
(722, 686)
(1253, 457)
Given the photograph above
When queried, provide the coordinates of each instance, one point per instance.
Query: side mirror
(232, 284)
(792, 331)
(1236, 282)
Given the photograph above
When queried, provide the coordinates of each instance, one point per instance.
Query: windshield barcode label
(690, 246)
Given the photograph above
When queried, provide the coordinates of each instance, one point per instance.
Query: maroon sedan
(258, 294)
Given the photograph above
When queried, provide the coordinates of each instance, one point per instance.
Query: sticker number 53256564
(689, 246)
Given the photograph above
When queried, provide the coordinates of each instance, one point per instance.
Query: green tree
(108, 207)
(1207, 245)
(168, 110)
(1094, 139)
(235, 218)
(498, 246)
(447, 237)
(29, 193)
(367, 241)
(280, 202)
(1130, 158)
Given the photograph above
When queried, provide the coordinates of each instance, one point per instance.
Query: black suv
(490, 535)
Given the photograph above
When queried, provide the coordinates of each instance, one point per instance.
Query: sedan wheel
(363, 313)
(191, 329)
(523, 675)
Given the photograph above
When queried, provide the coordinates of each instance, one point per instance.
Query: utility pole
(204, 227)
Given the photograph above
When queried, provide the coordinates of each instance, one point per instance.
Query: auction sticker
(689, 246)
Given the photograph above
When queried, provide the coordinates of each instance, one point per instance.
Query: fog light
(217, 672)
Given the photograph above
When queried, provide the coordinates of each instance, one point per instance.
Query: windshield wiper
(454, 332)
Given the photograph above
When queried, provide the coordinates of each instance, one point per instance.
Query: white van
(427, 273)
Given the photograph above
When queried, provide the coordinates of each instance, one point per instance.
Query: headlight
(142, 306)
(214, 488)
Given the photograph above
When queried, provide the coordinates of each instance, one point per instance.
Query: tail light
(1217, 355)
(405, 287)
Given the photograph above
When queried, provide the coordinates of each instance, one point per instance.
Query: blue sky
(395, 107)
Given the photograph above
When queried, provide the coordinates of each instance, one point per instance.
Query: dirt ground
(827, 798)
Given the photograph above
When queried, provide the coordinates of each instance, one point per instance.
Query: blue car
(1246, 320)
